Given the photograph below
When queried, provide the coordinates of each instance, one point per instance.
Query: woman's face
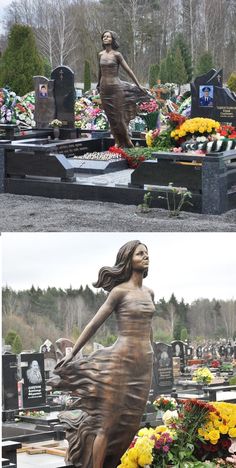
(140, 259)
(107, 38)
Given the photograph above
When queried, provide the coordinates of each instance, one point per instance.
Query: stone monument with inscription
(55, 98)
(45, 109)
(162, 369)
(211, 100)
(64, 94)
(33, 380)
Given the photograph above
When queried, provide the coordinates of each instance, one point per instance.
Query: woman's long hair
(109, 277)
(115, 44)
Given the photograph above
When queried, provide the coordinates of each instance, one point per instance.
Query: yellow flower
(223, 428)
(214, 435)
(232, 432)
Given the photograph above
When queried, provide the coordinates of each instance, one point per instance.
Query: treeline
(69, 32)
(31, 316)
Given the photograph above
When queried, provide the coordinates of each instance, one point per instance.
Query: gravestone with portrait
(45, 109)
(199, 352)
(222, 350)
(162, 381)
(64, 94)
(33, 380)
(178, 350)
(9, 382)
(188, 351)
(49, 353)
(211, 100)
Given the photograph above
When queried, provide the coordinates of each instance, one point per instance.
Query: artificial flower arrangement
(89, 116)
(189, 436)
(164, 403)
(17, 110)
(227, 131)
(149, 113)
(202, 375)
(197, 126)
(150, 106)
(215, 363)
(55, 123)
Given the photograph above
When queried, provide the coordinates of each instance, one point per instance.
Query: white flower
(201, 139)
(168, 416)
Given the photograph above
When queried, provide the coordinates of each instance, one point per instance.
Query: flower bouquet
(55, 123)
(149, 113)
(17, 110)
(202, 375)
(175, 443)
(165, 403)
(133, 156)
(88, 116)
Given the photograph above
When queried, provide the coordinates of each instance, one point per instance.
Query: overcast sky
(3, 6)
(191, 265)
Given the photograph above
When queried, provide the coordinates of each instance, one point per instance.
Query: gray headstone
(49, 353)
(33, 380)
(211, 100)
(45, 109)
(162, 369)
(64, 92)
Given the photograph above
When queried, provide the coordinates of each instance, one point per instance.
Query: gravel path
(27, 213)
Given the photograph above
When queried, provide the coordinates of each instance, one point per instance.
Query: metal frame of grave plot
(211, 179)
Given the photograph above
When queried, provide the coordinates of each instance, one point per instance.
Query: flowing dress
(112, 384)
(118, 98)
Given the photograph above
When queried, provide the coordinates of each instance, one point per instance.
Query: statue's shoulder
(118, 55)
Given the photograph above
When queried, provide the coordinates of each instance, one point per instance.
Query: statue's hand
(143, 89)
(65, 360)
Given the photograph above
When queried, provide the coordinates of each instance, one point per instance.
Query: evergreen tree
(184, 334)
(177, 329)
(87, 76)
(231, 83)
(17, 345)
(180, 75)
(186, 55)
(20, 61)
(163, 72)
(10, 336)
(153, 74)
(170, 67)
(204, 64)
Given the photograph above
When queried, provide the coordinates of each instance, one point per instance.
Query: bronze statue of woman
(112, 383)
(118, 97)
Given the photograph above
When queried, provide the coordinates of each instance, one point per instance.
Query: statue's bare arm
(128, 70)
(102, 314)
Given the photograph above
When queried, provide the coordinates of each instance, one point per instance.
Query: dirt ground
(39, 214)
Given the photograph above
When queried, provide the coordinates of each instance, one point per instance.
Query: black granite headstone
(64, 93)
(178, 349)
(162, 369)
(45, 109)
(222, 350)
(211, 100)
(199, 352)
(9, 378)
(189, 352)
(33, 388)
(229, 350)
